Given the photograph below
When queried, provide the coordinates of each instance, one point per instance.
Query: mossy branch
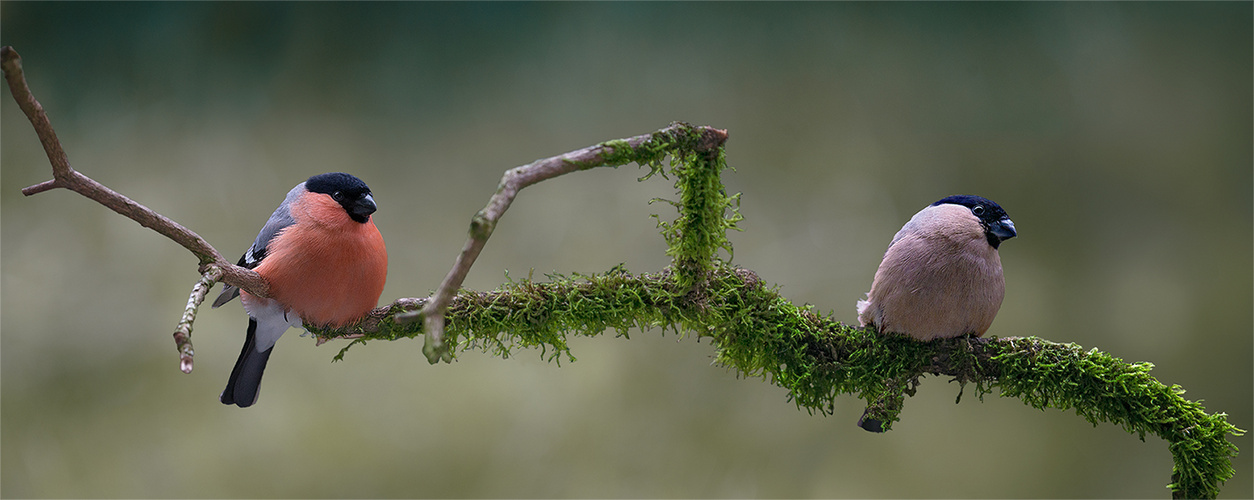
(755, 330)
(759, 333)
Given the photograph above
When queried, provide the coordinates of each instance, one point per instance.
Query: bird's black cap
(347, 190)
(997, 225)
(336, 181)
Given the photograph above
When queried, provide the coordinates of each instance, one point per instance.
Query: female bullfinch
(941, 275)
(325, 262)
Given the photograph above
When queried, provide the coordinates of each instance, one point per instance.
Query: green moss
(761, 334)
(1103, 388)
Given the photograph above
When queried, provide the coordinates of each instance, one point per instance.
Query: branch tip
(11, 60)
(47, 185)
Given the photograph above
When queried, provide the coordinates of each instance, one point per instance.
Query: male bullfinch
(941, 275)
(325, 262)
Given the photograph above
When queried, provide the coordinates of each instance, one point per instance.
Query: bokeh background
(1117, 135)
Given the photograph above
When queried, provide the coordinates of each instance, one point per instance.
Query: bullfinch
(941, 275)
(325, 262)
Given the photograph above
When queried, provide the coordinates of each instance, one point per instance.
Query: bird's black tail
(245, 382)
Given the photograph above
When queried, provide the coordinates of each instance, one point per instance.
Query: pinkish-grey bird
(941, 276)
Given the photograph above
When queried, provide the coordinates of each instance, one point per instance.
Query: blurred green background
(1117, 136)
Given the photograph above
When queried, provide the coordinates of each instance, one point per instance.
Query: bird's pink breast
(326, 268)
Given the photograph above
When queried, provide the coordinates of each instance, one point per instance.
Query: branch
(64, 176)
(755, 330)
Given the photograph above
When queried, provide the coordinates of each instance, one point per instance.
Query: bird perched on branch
(941, 276)
(325, 262)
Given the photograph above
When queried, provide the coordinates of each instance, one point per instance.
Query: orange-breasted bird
(325, 262)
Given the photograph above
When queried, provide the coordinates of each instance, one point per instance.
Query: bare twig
(484, 222)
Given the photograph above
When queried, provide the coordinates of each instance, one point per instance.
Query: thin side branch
(183, 332)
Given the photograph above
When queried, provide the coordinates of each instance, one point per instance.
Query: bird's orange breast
(327, 268)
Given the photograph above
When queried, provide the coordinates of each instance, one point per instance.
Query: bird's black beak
(1003, 229)
(362, 208)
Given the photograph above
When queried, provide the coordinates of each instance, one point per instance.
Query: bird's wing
(280, 219)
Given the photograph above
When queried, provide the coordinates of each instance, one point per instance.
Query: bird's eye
(338, 196)
(978, 210)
